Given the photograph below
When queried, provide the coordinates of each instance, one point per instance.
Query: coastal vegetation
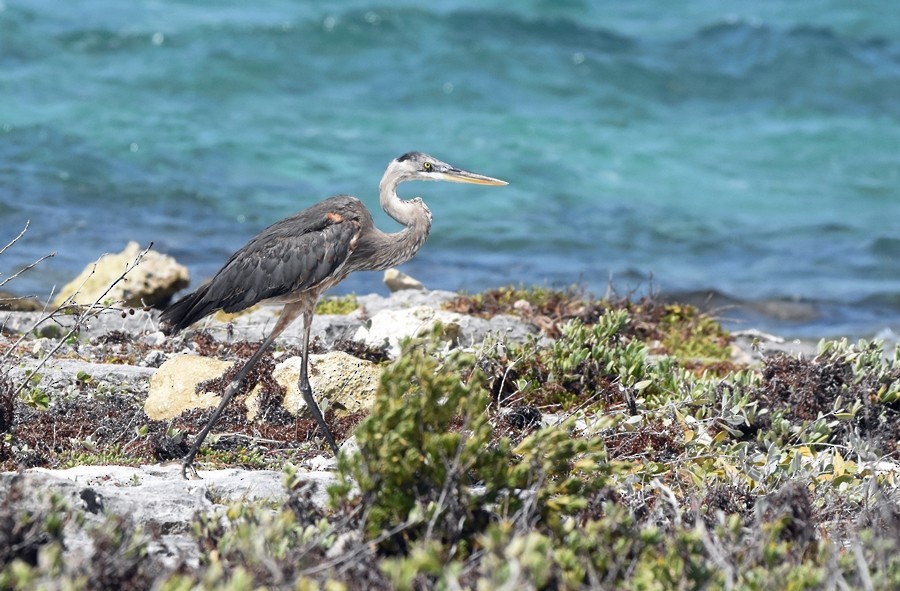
(621, 447)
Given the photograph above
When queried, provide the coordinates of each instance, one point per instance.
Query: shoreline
(792, 320)
(658, 404)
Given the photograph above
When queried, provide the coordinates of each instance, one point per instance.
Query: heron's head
(422, 167)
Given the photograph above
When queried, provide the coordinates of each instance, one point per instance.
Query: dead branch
(83, 314)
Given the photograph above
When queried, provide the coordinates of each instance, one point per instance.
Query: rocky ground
(118, 353)
(97, 407)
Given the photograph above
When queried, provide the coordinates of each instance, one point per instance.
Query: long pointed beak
(457, 175)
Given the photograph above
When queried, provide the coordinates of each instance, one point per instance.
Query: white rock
(523, 306)
(397, 281)
(321, 463)
(155, 338)
(149, 497)
(392, 326)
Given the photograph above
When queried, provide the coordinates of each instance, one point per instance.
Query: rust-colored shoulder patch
(334, 218)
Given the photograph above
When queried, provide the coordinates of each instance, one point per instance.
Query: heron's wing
(293, 255)
(298, 253)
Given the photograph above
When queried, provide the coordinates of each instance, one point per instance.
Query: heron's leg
(306, 389)
(288, 314)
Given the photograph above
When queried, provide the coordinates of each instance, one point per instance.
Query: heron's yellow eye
(427, 166)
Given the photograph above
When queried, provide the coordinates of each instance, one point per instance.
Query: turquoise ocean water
(750, 149)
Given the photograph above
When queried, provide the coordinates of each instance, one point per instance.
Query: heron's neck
(413, 214)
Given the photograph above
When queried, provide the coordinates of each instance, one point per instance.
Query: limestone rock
(151, 282)
(60, 375)
(392, 326)
(397, 281)
(153, 498)
(342, 378)
(347, 382)
(374, 303)
(173, 386)
(99, 324)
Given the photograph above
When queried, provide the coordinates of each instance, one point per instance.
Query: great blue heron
(293, 261)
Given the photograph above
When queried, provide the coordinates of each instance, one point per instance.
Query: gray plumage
(305, 251)
(293, 261)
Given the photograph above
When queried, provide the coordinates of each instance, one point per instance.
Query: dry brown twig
(26, 267)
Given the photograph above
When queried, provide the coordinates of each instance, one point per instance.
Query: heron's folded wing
(281, 261)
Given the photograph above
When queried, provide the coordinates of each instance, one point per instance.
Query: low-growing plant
(692, 336)
(337, 305)
(431, 481)
(426, 442)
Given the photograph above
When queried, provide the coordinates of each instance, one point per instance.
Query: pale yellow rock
(153, 281)
(397, 281)
(347, 382)
(173, 388)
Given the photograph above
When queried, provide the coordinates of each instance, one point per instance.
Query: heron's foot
(313, 406)
(188, 471)
(334, 447)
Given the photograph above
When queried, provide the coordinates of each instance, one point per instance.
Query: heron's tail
(186, 311)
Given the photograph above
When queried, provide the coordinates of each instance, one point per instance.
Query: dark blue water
(748, 149)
